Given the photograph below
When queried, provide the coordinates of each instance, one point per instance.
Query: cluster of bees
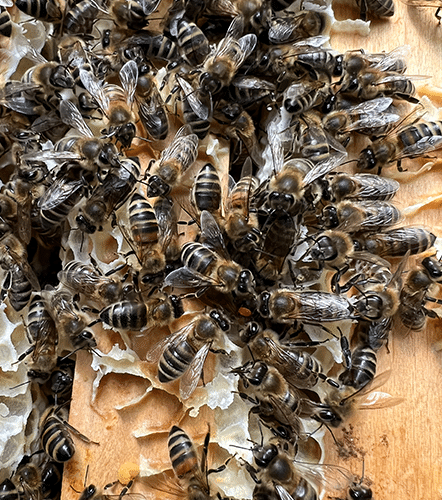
(284, 240)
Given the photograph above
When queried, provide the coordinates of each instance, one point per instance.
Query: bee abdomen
(56, 441)
(197, 257)
(174, 361)
(125, 315)
(363, 368)
(381, 8)
(207, 190)
(182, 453)
(142, 220)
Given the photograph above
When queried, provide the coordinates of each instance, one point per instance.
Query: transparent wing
(252, 82)
(183, 146)
(322, 168)
(421, 147)
(329, 476)
(282, 492)
(378, 400)
(203, 111)
(129, 79)
(70, 115)
(191, 376)
(57, 193)
(211, 235)
(154, 354)
(188, 278)
(95, 88)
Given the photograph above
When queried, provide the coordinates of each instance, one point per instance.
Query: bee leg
(6, 286)
(77, 432)
(363, 12)
(345, 348)
(220, 468)
(438, 16)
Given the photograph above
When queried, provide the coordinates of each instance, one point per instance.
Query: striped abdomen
(363, 368)
(175, 360)
(198, 258)
(56, 440)
(182, 453)
(142, 221)
(125, 315)
(206, 193)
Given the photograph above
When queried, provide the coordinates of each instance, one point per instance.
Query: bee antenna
(19, 385)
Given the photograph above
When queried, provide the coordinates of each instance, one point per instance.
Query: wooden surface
(402, 445)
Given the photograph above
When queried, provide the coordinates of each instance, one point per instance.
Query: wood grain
(402, 445)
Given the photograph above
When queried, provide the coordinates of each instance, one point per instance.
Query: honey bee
(299, 368)
(368, 118)
(265, 387)
(358, 187)
(279, 476)
(69, 321)
(335, 250)
(80, 17)
(301, 97)
(286, 305)
(174, 161)
(58, 388)
(279, 235)
(192, 42)
(241, 222)
(377, 8)
(409, 141)
(296, 26)
(42, 330)
(87, 280)
(340, 404)
(109, 195)
(182, 354)
(132, 14)
(90, 152)
(151, 109)
(116, 102)
(144, 236)
(184, 458)
(287, 189)
(20, 280)
(307, 59)
(197, 108)
(362, 369)
(165, 211)
(53, 207)
(28, 476)
(137, 315)
(49, 76)
(55, 438)
(381, 300)
(45, 10)
(419, 281)
(353, 216)
(206, 190)
(240, 127)
(397, 242)
(220, 67)
(207, 263)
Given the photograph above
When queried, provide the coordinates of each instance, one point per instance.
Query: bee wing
(369, 257)
(372, 106)
(203, 111)
(372, 121)
(291, 417)
(421, 147)
(211, 235)
(324, 167)
(155, 352)
(187, 278)
(12, 88)
(149, 6)
(51, 155)
(20, 104)
(166, 219)
(330, 476)
(95, 88)
(394, 77)
(251, 82)
(184, 145)
(57, 193)
(378, 400)
(70, 115)
(284, 354)
(277, 150)
(129, 79)
(282, 492)
(191, 376)
(389, 59)
(282, 30)
(27, 271)
(221, 7)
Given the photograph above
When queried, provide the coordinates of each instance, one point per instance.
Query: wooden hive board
(402, 445)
